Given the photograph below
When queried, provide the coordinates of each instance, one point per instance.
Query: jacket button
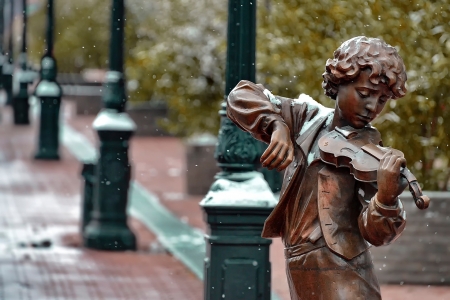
(289, 178)
(295, 164)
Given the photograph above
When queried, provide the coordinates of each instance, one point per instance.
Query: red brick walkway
(160, 166)
(40, 255)
(41, 201)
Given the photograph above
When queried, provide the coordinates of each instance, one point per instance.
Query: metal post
(20, 98)
(237, 264)
(2, 53)
(49, 93)
(114, 95)
(8, 66)
(108, 229)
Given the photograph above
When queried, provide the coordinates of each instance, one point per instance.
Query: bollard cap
(254, 192)
(111, 119)
(47, 88)
(26, 76)
(202, 139)
(8, 68)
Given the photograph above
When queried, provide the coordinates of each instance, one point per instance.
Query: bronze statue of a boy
(326, 218)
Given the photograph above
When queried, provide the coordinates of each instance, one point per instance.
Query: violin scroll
(423, 202)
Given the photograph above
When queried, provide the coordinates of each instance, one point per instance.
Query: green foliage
(296, 37)
(176, 53)
(81, 34)
(180, 58)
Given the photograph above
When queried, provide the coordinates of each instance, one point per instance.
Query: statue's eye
(363, 93)
(383, 100)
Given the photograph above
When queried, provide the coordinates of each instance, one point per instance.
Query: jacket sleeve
(379, 224)
(253, 108)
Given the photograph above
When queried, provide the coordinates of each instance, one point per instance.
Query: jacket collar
(306, 139)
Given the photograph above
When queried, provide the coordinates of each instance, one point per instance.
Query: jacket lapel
(306, 139)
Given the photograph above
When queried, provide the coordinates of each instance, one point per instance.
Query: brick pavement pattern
(160, 166)
(41, 257)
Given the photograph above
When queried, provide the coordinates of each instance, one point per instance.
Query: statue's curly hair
(360, 53)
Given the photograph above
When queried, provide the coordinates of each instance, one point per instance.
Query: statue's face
(360, 101)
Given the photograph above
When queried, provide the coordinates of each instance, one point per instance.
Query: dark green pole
(20, 99)
(237, 258)
(107, 228)
(2, 27)
(241, 65)
(242, 156)
(114, 96)
(8, 67)
(49, 93)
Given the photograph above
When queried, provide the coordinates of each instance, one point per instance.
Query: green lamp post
(237, 258)
(8, 66)
(107, 228)
(20, 97)
(49, 93)
(2, 53)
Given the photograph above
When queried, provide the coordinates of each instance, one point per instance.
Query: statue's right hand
(280, 152)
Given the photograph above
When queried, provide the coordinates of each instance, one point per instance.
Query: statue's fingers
(268, 151)
(384, 160)
(279, 158)
(288, 159)
(271, 156)
(399, 163)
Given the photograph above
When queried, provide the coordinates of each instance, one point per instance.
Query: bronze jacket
(350, 220)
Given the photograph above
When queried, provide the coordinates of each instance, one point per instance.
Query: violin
(361, 151)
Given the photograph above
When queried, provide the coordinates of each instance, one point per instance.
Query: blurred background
(174, 65)
(175, 54)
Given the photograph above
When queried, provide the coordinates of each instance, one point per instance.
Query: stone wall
(201, 164)
(146, 116)
(421, 254)
(85, 92)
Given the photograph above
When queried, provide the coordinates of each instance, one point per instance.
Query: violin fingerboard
(373, 150)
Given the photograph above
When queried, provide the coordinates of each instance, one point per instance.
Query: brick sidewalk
(42, 205)
(41, 257)
(160, 166)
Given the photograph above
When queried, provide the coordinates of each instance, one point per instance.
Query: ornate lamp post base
(112, 237)
(21, 106)
(49, 129)
(237, 262)
(49, 93)
(108, 229)
(7, 79)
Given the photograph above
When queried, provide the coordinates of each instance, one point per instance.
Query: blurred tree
(297, 37)
(81, 34)
(177, 54)
(180, 58)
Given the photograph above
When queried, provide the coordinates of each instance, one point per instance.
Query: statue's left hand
(390, 182)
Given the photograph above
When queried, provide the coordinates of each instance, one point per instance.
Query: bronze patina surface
(326, 217)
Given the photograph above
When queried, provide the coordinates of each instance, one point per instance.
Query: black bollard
(8, 66)
(20, 98)
(237, 262)
(108, 229)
